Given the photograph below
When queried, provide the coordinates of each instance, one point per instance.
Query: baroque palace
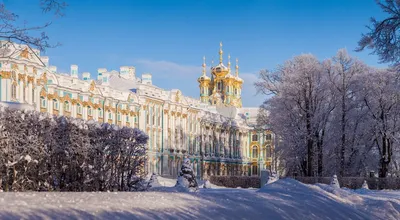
(214, 132)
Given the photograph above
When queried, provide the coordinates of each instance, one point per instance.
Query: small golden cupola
(204, 84)
(237, 88)
(220, 70)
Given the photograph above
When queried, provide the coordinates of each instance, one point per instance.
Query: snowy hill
(284, 199)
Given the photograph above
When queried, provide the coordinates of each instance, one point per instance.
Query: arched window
(66, 106)
(254, 169)
(55, 104)
(14, 91)
(268, 137)
(255, 152)
(268, 150)
(89, 111)
(79, 108)
(42, 102)
(109, 115)
(100, 113)
(219, 86)
(127, 118)
(254, 137)
(23, 94)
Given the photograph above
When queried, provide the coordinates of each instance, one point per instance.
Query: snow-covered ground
(283, 199)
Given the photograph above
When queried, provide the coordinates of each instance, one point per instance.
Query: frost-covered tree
(383, 35)
(298, 111)
(343, 72)
(186, 177)
(336, 116)
(382, 98)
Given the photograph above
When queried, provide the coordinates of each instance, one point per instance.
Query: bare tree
(34, 36)
(383, 35)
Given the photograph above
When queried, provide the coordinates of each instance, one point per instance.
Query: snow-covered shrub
(273, 177)
(186, 178)
(207, 185)
(335, 182)
(365, 185)
(153, 182)
(43, 152)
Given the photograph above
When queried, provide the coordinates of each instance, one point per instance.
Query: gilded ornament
(14, 66)
(24, 53)
(178, 96)
(92, 86)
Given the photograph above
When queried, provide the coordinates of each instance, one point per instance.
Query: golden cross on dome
(220, 52)
(229, 61)
(204, 65)
(237, 67)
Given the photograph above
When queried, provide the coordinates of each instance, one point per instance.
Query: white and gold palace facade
(214, 132)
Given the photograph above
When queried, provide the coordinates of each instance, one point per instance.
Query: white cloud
(167, 69)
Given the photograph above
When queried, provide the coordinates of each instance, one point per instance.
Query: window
(127, 118)
(255, 152)
(135, 119)
(55, 104)
(219, 86)
(268, 137)
(33, 95)
(268, 151)
(119, 116)
(23, 95)
(42, 102)
(254, 169)
(79, 108)
(13, 91)
(66, 106)
(147, 118)
(100, 113)
(89, 110)
(236, 91)
(254, 137)
(154, 119)
(109, 115)
(159, 121)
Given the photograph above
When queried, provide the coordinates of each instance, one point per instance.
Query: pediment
(27, 54)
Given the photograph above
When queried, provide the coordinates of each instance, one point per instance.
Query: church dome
(203, 78)
(220, 70)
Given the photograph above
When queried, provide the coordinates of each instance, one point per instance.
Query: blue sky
(169, 38)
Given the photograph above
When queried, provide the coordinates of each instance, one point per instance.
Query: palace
(214, 132)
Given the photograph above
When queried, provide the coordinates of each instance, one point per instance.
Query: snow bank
(283, 199)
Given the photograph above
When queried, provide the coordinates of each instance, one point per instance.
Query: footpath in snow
(283, 199)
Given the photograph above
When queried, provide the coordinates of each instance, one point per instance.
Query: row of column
(227, 143)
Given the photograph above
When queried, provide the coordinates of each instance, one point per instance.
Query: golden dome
(220, 70)
(204, 77)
